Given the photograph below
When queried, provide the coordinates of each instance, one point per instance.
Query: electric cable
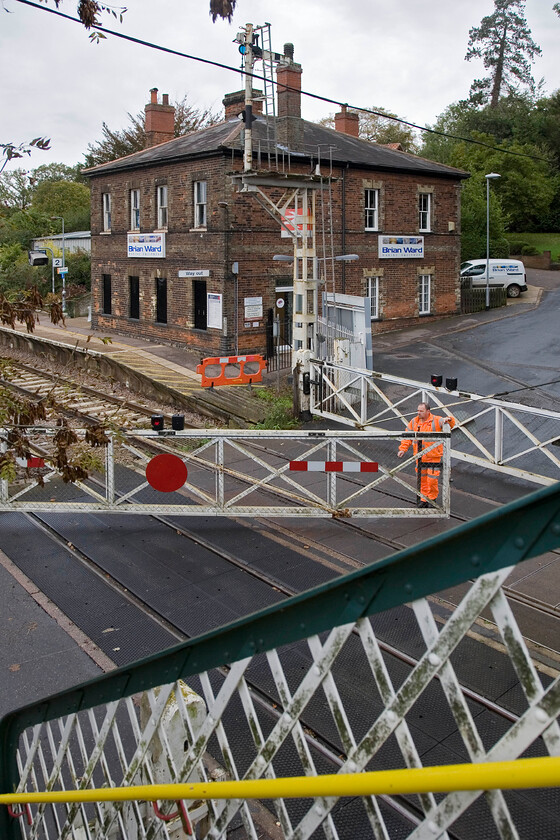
(260, 78)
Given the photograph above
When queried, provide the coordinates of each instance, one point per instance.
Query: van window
(475, 270)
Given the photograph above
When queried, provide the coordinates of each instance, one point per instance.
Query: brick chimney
(160, 120)
(234, 103)
(347, 122)
(290, 124)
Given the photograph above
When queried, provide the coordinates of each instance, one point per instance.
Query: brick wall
(239, 230)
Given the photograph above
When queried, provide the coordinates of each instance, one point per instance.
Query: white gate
(245, 473)
(510, 438)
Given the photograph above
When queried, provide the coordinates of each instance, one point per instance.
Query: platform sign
(62, 270)
(57, 262)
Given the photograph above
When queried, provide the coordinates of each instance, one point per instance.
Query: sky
(406, 56)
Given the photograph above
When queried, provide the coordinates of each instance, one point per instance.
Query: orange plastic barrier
(240, 377)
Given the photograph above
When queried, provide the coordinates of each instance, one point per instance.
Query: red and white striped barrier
(334, 466)
(34, 461)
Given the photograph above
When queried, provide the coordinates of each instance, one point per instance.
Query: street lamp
(491, 175)
(63, 266)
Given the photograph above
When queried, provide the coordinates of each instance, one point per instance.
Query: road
(221, 569)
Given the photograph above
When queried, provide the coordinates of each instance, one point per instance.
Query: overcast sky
(405, 56)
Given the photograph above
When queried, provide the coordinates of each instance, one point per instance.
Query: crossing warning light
(436, 380)
(178, 422)
(157, 422)
(451, 384)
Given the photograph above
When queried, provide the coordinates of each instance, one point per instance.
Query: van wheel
(513, 291)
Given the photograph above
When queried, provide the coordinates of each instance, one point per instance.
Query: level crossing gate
(302, 686)
(246, 473)
(510, 438)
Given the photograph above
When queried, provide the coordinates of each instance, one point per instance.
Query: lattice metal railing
(510, 438)
(311, 685)
(242, 473)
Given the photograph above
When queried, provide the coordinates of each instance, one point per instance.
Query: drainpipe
(343, 248)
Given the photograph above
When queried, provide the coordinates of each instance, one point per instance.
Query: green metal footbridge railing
(309, 687)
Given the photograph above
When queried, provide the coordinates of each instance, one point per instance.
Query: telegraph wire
(260, 78)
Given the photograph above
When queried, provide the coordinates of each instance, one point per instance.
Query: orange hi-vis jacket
(432, 423)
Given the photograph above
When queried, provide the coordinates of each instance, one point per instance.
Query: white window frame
(106, 203)
(424, 211)
(371, 213)
(200, 201)
(162, 206)
(424, 294)
(134, 209)
(372, 292)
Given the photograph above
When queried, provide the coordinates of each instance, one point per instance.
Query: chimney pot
(153, 92)
(165, 99)
(289, 51)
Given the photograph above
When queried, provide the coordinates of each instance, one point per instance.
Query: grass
(279, 413)
(541, 241)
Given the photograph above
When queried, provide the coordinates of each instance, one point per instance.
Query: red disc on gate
(166, 473)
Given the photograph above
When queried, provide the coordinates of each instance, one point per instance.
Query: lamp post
(63, 266)
(491, 175)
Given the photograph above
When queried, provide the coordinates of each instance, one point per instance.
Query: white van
(508, 273)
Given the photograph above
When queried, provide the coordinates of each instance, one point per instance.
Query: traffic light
(436, 380)
(157, 422)
(38, 258)
(247, 116)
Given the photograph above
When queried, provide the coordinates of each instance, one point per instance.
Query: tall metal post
(488, 177)
(248, 146)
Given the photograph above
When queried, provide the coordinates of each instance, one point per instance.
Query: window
(134, 297)
(106, 211)
(162, 206)
(107, 294)
(199, 204)
(371, 209)
(372, 292)
(424, 211)
(134, 209)
(161, 300)
(425, 294)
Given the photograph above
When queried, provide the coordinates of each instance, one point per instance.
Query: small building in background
(74, 241)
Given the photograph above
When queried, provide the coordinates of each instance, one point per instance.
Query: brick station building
(180, 255)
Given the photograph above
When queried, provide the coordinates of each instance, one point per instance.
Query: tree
(378, 128)
(62, 198)
(503, 41)
(132, 138)
(16, 189)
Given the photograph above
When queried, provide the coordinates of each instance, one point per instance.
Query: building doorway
(161, 300)
(200, 305)
(283, 313)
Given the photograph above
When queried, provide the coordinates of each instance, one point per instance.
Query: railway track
(74, 399)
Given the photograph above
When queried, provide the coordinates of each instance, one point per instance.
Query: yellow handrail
(504, 775)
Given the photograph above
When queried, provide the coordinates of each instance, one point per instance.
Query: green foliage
(503, 41)
(63, 198)
(540, 241)
(473, 222)
(279, 413)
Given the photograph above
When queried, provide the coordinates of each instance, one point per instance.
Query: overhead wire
(260, 78)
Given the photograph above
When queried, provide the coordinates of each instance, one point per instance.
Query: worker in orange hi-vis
(425, 421)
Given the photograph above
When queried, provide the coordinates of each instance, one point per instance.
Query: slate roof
(227, 136)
